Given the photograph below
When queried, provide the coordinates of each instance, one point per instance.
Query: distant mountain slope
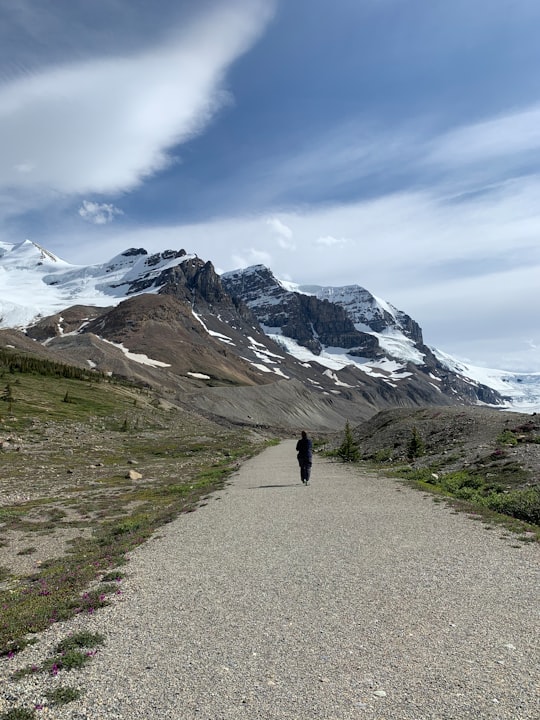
(521, 390)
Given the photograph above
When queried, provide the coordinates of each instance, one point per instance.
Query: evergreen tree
(348, 451)
(7, 396)
(415, 448)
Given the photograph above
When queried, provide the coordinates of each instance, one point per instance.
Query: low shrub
(522, 504)
(507, 437)
(62, 695)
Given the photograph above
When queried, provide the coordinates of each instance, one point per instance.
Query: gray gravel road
(353, 597)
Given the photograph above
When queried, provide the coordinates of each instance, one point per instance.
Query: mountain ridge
(199, 332)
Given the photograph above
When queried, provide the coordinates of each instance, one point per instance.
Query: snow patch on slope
(398, 346)
(137, 357)
(336, 358)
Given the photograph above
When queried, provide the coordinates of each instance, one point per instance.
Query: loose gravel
(353, 597)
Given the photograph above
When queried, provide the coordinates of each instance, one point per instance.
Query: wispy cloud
(279, 227)
(358, 158)
(248, 257)
(105, 124)
(505, 136)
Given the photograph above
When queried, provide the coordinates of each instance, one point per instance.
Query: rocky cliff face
(366, 311)
(312, 321)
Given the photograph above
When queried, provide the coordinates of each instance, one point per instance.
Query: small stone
(379, 693)
(134, 475)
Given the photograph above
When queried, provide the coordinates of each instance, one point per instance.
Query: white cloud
(348, 158)
(98, 213)
(280, 228)
(283, 232)
(249, 257)
(103, 125)
(331, 241)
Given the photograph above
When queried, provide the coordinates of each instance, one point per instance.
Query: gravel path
(354, 597)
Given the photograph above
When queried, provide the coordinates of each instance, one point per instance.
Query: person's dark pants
(305, 470)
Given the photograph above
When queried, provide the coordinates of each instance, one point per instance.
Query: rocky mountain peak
(367, 312)
(309, 320)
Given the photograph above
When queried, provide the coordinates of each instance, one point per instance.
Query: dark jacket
(304, 448)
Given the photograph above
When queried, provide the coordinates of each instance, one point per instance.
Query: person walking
(304, 449)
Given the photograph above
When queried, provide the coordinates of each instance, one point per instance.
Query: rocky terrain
(483, 452)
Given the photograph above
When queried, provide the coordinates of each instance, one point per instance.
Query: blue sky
(393, 144)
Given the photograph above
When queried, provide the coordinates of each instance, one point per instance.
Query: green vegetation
(491, 481)
(415, 446)
(57, 591)
(83, 639)
(383, 456)
(62, 695)
(507, 437)
(348, 450)
(18, 714)
(74, 652)
(522, 503)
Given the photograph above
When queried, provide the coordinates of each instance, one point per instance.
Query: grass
(62, 695)
(18, 714)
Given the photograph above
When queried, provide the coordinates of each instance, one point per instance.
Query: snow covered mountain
(168, 319)
(35, 283)
(386, 338)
